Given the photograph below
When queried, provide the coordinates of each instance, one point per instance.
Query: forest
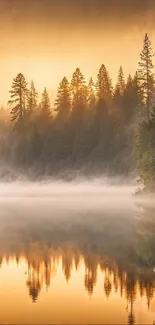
(91, 129)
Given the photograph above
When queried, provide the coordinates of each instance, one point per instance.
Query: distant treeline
(91, 129)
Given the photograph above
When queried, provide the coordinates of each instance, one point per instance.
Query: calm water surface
(66, 262)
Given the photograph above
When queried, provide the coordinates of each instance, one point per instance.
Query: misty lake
(76, 254)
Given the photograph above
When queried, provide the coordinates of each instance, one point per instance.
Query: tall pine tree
(104, 85)
(121, 82)
(91, 94)
(45, 109)
(18, 100)
(32, 99)
(79, 104)
(78, 87)
(119, 91)
(63, 101)
(79, 94)
(145, 73)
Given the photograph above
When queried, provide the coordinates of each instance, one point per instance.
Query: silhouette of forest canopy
(91, 128)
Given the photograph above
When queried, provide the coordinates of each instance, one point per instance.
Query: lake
(75, 255)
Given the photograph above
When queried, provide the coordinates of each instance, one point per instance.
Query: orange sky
(46, 40)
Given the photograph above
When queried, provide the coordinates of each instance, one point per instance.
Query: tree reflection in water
(120, 247)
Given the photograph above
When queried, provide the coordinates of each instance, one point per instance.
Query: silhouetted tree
(121, 82)
(32, 99)
(145, 72)
(120, 88)
(104, 85)
(18, 100)
(63, 101)
(91, 94)
(79, 93)
(45, 109)
(79, 104)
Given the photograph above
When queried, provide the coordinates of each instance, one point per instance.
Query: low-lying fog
(98, 216)
(56, 199)
(75, 195)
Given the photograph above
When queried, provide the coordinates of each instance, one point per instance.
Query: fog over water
(61, 197)
(66, 241)
(81, 212)
(95, 187)
(77, 195)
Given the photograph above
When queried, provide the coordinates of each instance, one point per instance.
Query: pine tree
(121, 82)
(79, 91)
(104, 85)
(91, 94)
(63, 100)
(18, 100)
(145, 72)
(120, 85)
(45, 105)
(119, 89)
(78, 108)
(45, 114)
(32, 99)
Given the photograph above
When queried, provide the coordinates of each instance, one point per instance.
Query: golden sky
(46, 40)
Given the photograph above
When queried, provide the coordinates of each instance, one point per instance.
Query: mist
(56, 199)
(99, 216)
(54, 207)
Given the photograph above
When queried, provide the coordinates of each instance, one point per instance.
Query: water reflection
(112, 250)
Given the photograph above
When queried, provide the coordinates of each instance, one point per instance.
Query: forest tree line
(92, 127)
